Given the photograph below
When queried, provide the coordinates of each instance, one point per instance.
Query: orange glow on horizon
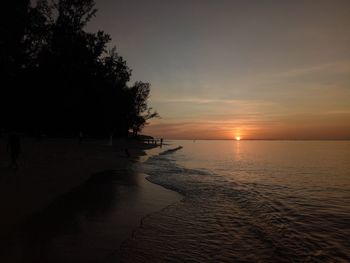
(277, 130)
(238, 138)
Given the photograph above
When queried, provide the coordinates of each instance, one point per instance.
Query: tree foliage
(62, 79)
(140, 112)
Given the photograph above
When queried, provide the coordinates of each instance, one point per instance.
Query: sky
(224, 68)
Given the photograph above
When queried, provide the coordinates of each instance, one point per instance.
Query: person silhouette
(14, 148)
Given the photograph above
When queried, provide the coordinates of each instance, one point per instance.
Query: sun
(238, 138)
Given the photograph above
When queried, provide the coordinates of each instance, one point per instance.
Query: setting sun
(238, 138)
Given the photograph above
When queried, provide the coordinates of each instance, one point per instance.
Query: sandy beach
(71, 202)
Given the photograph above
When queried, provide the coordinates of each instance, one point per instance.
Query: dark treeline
(58, 79)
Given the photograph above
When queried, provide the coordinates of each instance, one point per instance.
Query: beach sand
(71, 202)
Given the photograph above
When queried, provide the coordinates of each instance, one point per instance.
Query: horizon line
(258, 139)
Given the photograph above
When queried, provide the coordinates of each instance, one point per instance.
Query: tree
(115, 76)
(12, 28)
(68, 62)
(13, 22)
(70, 82)
(140, 111)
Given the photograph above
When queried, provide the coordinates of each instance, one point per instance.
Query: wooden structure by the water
(152, 141)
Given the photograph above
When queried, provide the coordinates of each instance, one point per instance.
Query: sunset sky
(255, 69)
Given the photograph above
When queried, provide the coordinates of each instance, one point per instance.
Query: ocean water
(248, 201)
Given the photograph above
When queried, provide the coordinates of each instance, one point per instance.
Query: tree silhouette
(71, 82)
(12, 30)
(115, 75)
(140, 112)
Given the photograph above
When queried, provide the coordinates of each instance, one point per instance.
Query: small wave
(171, 150)
(226, 220)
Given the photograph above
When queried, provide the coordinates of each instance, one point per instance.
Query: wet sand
(55, 211)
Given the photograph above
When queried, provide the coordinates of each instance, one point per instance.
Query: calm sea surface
(248, 201)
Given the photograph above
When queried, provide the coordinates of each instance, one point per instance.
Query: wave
(171, 150)
(222, 220)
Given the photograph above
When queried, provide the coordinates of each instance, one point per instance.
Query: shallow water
(249, 201)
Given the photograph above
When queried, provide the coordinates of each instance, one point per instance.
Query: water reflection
(237, 149)
(284, 201)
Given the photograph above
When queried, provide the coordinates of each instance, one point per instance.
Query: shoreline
(59, 170)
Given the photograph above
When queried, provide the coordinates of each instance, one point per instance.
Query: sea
(247, 201)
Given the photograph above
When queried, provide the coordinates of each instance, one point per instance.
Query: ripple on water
(223, 220)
